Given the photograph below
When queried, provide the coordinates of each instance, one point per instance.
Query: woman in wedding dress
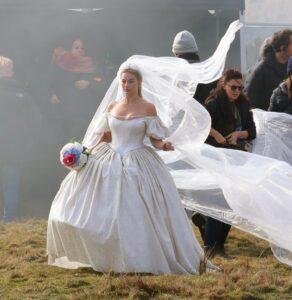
(122, 211)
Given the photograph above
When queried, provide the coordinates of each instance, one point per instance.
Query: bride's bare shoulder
(150, 109)
(111, 105)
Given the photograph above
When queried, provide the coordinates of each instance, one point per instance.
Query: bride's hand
(167, 146)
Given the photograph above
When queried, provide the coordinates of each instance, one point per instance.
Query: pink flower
(69, 160)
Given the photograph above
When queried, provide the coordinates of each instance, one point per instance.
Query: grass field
(24, 273)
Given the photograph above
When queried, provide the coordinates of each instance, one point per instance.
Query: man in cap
(185, 46)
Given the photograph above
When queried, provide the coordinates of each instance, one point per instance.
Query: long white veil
(250, 191)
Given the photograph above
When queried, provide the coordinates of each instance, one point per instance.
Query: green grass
(24, 274)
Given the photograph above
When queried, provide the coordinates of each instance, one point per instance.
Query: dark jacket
(19, 123)
(215, 110)
(203, 91)
(263, 80)
(280, 102)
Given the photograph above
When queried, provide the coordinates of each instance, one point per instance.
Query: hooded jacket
(264, 79)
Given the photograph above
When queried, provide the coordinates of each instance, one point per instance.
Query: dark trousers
(215, 233)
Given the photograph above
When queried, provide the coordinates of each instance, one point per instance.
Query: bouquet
(74, 156)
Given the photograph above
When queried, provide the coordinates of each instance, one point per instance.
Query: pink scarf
(73, 63)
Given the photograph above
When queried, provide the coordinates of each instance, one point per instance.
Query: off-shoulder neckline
(122, 118)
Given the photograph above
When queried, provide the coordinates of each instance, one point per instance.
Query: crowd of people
(122, 211)
(229, 105)
(37, 118)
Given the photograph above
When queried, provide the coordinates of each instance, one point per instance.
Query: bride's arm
(106, 136)
(161, 145)
(158, 143)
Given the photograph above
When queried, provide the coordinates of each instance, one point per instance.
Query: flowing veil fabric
(250, 191)
(274, 136)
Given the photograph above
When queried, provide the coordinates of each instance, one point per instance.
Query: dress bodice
(129, 134)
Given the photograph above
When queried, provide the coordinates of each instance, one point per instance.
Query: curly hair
(281, 40)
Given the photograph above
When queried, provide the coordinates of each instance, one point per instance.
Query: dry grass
(24, 273)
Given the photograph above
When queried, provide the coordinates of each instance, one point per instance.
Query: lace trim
(130, 117)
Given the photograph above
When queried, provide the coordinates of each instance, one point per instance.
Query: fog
(41, 106)
(268, 11)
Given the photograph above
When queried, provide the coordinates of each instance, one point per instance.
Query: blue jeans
(10, 179)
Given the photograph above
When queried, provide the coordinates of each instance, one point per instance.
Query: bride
(122, 211)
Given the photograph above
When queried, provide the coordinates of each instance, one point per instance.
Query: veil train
(251, 191)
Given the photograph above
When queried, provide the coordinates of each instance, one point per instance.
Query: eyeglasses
(236, 87)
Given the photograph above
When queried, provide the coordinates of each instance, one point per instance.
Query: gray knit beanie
(184, 42)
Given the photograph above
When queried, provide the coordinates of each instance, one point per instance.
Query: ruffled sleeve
(156, 129)
(102, 124)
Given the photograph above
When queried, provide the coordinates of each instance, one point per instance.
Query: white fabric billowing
(160, 75)
(250, 191)
(274, 135)
(122, 211)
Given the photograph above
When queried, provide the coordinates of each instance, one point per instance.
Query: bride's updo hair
(138, 76)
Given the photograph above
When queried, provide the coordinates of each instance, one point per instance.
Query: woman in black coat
(232, 120)
(232, 126)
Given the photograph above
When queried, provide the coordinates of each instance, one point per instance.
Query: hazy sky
(271, 11)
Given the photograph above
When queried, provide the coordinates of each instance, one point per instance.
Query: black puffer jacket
(264, 79)
(280, 102)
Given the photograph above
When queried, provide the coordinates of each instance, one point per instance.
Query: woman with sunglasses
(232, 124)
(232, 120)
(281, 99)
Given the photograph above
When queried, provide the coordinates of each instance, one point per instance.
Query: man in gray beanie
(183, 43)
(185, 46)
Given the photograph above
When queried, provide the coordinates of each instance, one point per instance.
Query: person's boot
(220, 251)
(200, 222)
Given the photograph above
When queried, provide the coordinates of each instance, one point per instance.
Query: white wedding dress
(122, 211)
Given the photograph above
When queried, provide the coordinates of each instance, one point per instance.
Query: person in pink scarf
(74, 84)
(75, 61)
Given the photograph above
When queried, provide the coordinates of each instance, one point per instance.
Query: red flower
(69, 160)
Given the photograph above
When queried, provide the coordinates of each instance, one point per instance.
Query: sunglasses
(236, 87)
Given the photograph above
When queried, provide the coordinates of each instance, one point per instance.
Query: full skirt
(122, 214)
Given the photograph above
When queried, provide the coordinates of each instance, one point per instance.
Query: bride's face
(130, 84)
